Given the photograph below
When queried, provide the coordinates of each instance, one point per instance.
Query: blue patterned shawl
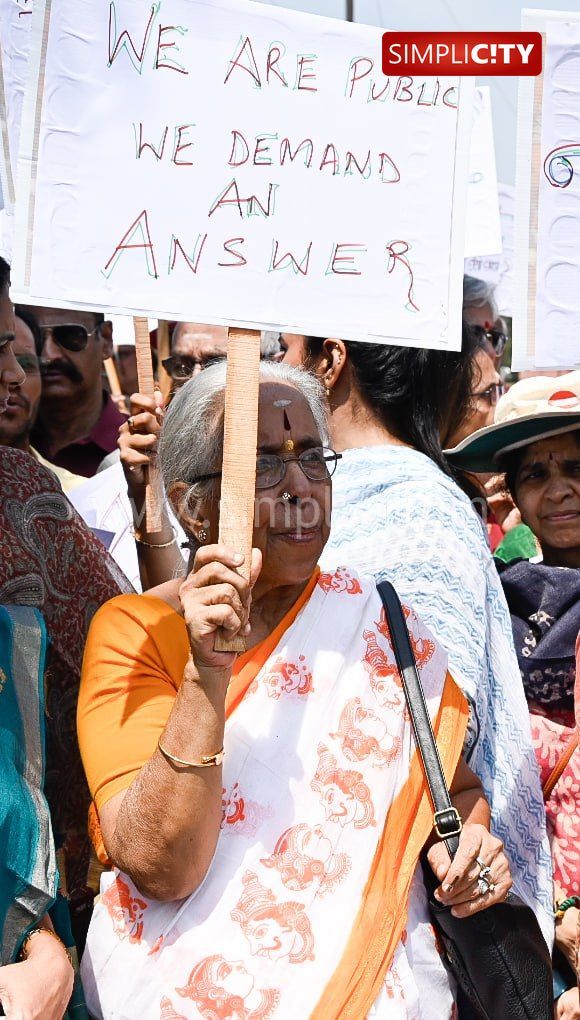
(28, 874)
(396, 515)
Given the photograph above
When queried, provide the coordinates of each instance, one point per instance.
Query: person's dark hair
(4, 274)
(420, 395)
(30, 320)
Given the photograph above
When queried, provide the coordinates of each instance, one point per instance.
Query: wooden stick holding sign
(153, 495)
(239, 456)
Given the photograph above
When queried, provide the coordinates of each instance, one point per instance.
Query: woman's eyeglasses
(71, 336)
(496, 337)
(318, 464)
(491, 394)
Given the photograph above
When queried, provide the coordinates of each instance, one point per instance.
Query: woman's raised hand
(216, 599)
(459, 878)
(138, 438)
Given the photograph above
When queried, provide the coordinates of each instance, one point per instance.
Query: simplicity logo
(462, 53)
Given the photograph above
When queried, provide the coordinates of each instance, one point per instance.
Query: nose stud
(286, 497)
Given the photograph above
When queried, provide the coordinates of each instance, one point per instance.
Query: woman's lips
(300, 536)
(562, 517)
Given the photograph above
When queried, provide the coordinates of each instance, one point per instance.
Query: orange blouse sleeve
(135, 655)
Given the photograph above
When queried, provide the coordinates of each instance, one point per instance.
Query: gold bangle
(206, 762)
(154, 545)
(40, 931)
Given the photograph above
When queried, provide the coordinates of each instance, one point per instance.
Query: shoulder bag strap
(446, 819)
(560, 765)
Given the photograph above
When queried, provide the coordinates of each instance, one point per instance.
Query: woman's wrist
(44, 944)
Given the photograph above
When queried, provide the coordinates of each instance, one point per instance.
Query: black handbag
(498, 956)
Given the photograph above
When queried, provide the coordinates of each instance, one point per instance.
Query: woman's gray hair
(478, 294)
(192, 435)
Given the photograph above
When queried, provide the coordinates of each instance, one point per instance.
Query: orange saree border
(356, 983)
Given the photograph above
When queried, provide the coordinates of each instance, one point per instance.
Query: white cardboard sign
(234, 163)
(547, 314)
(15, 25)
(498, 269)
(482, 218)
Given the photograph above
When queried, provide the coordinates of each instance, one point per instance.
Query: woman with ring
(264, 815)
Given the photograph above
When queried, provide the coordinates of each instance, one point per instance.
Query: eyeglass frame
(76, 325)
(494, 336)
(499, 388)
(203, 364)
(284, 461)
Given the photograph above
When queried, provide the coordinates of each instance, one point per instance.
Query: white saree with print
(311, 906)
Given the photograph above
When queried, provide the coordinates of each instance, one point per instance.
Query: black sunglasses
(71, 336)
(182, 366)
(318, 464)
(496, 337)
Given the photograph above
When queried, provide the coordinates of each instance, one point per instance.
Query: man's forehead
(198, 336)
(58, 316)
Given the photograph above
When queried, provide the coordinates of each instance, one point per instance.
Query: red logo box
(462, 53)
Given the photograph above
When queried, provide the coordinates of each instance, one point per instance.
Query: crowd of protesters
(187, 832)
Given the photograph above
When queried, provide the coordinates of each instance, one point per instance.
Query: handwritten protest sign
(235, 163)
(498, 268)
(482, 220)
(547, 314)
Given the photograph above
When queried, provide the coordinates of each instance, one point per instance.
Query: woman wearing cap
(536, 441)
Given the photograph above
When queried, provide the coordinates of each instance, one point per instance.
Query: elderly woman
(248, 804)
(536, 442)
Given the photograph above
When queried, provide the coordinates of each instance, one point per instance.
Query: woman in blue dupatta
(36, 976)
(39, 985)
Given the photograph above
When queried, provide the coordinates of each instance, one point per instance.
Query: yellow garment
(67, 479)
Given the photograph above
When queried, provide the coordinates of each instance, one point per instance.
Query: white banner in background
(235, 163)
(15, 25)
(547, 314)
(482, 220)
(499, 268)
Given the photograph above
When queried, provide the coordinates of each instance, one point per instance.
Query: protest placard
(498, 268)
(482, 219)
(240, 164)
(547, 303)
(15, 24)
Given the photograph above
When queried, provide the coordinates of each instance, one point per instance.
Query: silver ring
(483, 886)
(485, 873)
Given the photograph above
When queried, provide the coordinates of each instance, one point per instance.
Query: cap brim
(483, 450)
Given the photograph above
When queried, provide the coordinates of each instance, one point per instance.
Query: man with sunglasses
(194, 345)
(22, 407)
(78, 422)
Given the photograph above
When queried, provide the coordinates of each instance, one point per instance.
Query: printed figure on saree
(273, 930)
(224, 990)
(379, 659)
(341, 580)
(363, 735)
(304, 856)
(344, 795)
(285, 678)
(125, 910)
(240, 814)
